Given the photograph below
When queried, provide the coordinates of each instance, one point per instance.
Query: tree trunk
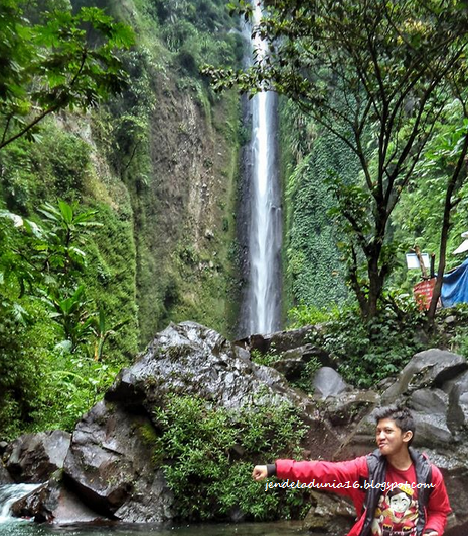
(354, 283)
(375, 284)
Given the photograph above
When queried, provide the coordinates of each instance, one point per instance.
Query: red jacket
(353, 471)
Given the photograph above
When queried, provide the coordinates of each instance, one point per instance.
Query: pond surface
(26, 528)
(10, 526)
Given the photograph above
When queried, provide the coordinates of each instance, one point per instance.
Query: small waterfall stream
(10, 493)
(263, 307)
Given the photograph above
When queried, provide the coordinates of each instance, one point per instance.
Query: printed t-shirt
(397, 510)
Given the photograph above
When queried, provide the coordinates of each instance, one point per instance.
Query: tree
(377, 75)
(62, 61)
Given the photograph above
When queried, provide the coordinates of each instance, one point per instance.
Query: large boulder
(349, 408)
(328, 383)
(280, 342)
(52, 501)
(430, 408)
(431, 368)
(109, 464)
(457, 390)
(455, 474)
(34, 457)
(190, 359)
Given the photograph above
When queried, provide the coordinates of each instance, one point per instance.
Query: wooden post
(417, 250)
(432, 265)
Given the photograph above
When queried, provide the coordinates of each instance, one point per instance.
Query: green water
(22, 528)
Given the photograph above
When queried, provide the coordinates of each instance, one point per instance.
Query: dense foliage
(52, 333)
(52, 59)
(367, 353)
(208, 453)
(315, 272)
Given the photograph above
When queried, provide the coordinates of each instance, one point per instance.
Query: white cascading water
(264, 307)
(9, 494)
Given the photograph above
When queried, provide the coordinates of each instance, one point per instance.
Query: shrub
(367, 352)
(208, 455)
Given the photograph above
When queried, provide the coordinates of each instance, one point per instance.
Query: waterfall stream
(263, 308)
(10, 493)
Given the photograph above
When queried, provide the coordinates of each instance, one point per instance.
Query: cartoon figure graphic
(396, 514)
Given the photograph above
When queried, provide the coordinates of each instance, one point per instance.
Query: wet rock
(280, 341)
(292, 368)
(329, 513)
(5, 477)
(455, 472)
(292, 363)
(34, 457)
(109, 464)
(457, 390)
(52, 502)
(191, 359)
(307, 353)
(427, 369)
(430, 413)
(350, 407)
(328, 383)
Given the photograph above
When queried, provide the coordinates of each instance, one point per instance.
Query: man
(395, 490)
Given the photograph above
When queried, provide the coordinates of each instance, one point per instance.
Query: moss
(313, 265)
(111, 280)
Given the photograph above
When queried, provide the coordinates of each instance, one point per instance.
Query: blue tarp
(455, 286)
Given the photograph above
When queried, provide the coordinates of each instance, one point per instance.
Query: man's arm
(333, 473)
(439, 507)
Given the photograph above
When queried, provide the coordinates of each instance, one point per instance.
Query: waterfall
(262, 303)
(9, 494)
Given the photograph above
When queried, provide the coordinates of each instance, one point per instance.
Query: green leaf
(66, 212)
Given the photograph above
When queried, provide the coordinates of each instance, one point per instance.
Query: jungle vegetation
(95, 256)
(84, 280)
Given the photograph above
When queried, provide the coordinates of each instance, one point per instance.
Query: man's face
(390, 439)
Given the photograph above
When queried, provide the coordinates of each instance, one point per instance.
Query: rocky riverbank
(105, 469)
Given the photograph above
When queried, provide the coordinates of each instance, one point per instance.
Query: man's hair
(402, 416)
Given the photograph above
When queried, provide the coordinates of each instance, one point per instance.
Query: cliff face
(160, 165)
(174, 144)
(184, 216)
